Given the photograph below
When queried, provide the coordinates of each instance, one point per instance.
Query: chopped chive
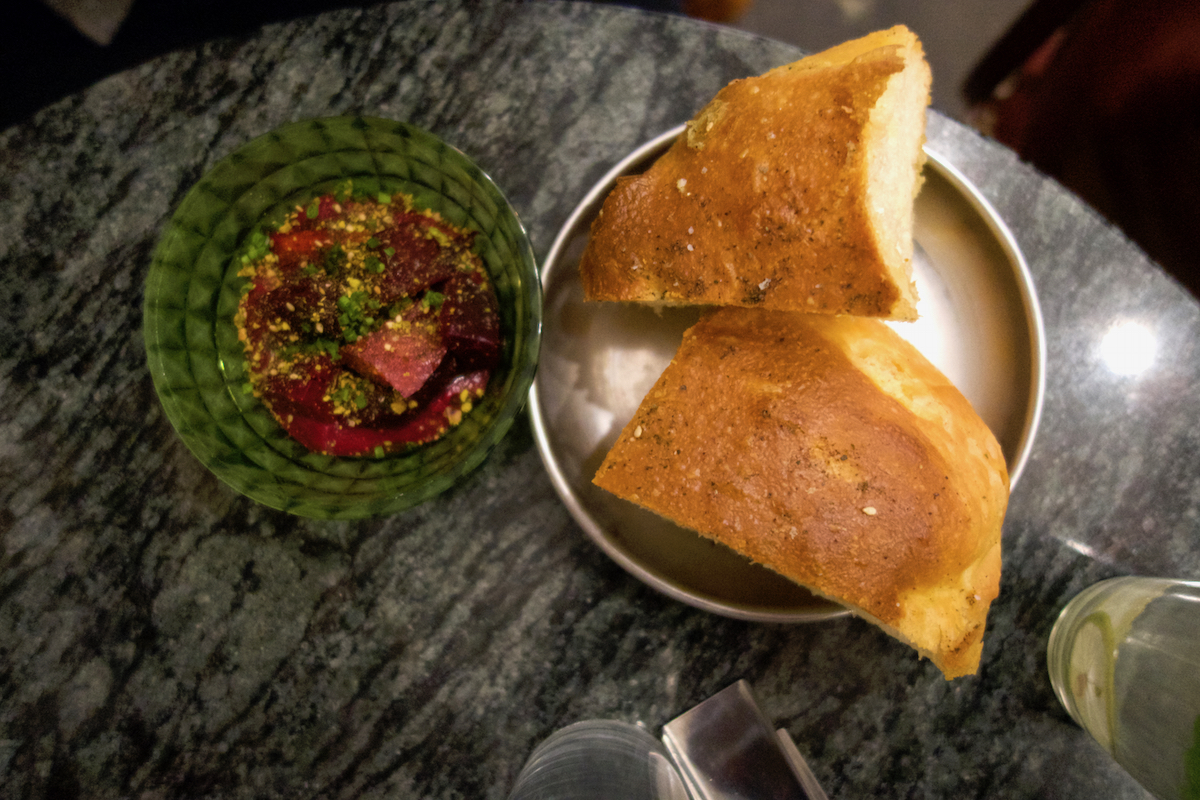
(313, 210)
(327, 346)
(335, 257)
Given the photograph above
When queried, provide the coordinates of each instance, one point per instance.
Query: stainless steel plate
(980, 324)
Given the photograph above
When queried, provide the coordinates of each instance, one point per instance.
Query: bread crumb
(637, 432)
(869, 511)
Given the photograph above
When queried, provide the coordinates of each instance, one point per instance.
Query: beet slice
(333, 439)
(301, 391)
(307, 309)
(434, 419)
(415, 263)
(401, 354)
(470, 320)
(297, 248)
(426, 425)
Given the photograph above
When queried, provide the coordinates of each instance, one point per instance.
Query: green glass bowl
(192, 292)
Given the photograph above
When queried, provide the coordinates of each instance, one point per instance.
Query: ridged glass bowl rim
(197, 364)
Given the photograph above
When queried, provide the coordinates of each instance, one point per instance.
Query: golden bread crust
(829, 450)
(767, 199)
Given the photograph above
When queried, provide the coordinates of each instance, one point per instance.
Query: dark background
(44, 58)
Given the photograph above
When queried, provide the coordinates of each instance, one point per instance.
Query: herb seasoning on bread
(829, 450)
(790, 190)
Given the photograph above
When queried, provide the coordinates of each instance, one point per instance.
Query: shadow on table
(47, 55)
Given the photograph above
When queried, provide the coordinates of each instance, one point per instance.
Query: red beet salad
(370, 325)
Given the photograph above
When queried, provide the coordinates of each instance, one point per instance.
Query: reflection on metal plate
(980, 325)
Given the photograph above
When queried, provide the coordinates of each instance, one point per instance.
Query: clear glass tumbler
(1124, 659)
(599, 760)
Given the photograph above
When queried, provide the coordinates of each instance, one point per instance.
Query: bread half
(792, 190)
(831, 451)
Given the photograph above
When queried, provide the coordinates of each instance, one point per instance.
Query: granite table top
(162, 636)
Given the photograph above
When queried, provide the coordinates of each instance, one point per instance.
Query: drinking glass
(1124, 659)
(599, 760)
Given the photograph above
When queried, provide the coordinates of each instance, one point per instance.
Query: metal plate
(980, 324)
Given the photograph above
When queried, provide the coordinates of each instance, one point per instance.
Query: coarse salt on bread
(828, 449)
(790, 190)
